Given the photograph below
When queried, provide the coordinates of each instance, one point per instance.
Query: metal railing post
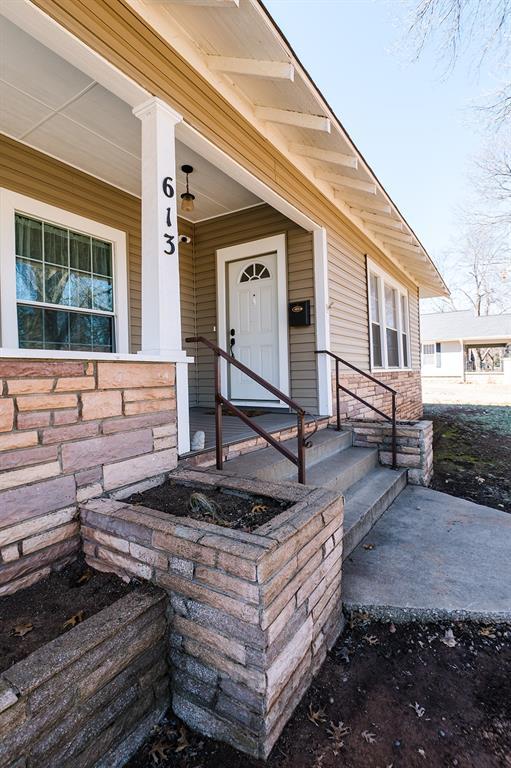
(218, 415)
(337, 396)
(301, 448)
(394, 432)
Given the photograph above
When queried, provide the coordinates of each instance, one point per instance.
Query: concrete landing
(435, 557)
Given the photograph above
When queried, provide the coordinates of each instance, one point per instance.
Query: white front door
(253, 325)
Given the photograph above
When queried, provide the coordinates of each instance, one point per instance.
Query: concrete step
(270, 464)
(343, 469)
(366, 501)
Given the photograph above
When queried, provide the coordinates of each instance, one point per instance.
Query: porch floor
(234, 429)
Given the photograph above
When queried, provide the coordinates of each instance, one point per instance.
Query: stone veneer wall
(414, 445)
(91, 696)
(253, 613)
(70, 430)
(407, 383)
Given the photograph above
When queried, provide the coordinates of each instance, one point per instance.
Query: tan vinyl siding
(115, 31)
(241, 227)
(415, 341)
(349, 319)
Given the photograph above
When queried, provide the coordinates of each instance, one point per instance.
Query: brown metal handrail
(339, 386)
(220, 400)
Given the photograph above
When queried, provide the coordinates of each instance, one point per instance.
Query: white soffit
(201, 32)
(56, 108)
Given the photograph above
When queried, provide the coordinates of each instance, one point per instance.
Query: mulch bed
(407, 696)
(244, 512)
(34, 616)
(472, 452)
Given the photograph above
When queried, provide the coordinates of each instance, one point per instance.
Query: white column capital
(156, 105)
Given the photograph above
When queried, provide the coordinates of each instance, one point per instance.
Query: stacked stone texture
(408, 401)
(253, 613)
(91, 696)
(414, 445)
(70, 430)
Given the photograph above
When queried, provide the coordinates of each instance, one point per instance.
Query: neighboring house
(463, 346)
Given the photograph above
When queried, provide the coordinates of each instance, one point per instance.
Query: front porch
(234, 431)
(174, 267)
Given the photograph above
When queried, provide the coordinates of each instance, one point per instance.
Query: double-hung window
(389, 321)
(69, 280)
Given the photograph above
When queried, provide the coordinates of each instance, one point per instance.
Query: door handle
(232, 342)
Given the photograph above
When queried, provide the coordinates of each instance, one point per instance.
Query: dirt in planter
(232, 509)
(407, 696)
(34, 616)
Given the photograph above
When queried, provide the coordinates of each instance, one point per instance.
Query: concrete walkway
(435, 557)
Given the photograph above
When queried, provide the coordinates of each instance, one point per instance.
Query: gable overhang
(239, 49)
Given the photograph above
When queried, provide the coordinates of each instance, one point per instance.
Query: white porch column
(161, 308)
(320, 246)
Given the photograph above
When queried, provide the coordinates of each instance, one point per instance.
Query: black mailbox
(299, 313)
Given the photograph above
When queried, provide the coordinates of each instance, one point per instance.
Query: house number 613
(168, 191)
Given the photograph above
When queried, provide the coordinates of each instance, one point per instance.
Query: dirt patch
(232, 509)
(472, 452)
(385, 696)
(42, 612)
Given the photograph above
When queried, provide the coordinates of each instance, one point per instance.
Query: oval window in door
(254, 271)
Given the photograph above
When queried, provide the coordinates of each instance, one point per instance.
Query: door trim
(247, 250)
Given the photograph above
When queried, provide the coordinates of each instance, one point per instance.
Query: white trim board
(323, 363)
(246, 250)
(12, 203)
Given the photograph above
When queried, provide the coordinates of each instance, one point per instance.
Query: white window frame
(391, 282)
(12, 203)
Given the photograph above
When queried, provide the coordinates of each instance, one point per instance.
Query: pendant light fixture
(187, 198)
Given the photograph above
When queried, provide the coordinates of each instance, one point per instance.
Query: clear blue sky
(413, 123)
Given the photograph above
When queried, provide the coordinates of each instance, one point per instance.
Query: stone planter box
(253, 613)
(89, 697)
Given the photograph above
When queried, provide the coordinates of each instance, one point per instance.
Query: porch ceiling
(53, 106)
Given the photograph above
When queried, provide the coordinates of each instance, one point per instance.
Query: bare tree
(478, 272)
(480, 25)
(492, 181)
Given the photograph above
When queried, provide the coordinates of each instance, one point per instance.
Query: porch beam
(338, 180)
(276, 70)
(299, 119)
(327, 155)
(161, 313)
